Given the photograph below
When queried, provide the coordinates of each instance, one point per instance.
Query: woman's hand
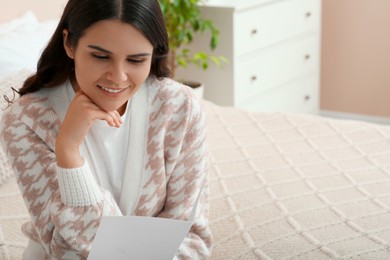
(79, 118)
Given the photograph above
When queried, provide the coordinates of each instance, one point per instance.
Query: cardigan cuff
(78, 187)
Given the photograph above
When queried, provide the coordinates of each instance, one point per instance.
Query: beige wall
(355, 69)
(44, 9)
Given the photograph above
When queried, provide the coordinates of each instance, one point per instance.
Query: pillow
(21, 44)
(28, 19)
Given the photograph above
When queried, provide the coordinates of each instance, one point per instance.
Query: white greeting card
(141, 238)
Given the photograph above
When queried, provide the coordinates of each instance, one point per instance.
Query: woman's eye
(99, 57)
(135, 60)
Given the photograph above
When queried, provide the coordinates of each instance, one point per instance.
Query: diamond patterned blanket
(282, 186)
(290, 186)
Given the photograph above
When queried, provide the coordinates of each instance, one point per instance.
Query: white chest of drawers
(273, 48)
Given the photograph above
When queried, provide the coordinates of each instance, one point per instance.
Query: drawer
(267, 24)
(276, 66)
(301, 96)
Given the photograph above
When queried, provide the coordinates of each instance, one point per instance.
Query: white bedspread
(287, 186)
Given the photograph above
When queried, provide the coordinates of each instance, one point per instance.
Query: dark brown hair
(54, 66)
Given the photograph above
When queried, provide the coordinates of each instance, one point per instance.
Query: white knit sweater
(167, 151)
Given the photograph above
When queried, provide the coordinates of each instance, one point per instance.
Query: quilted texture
(287, 186)
(282, 186)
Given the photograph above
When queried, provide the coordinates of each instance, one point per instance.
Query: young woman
(99, 131)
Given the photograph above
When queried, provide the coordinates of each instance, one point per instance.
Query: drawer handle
(254, 32)
(307, 57)
(307, 98)
(253, 78)
(308, 14)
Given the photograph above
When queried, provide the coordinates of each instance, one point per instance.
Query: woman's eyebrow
(98, 48)
(139, 55)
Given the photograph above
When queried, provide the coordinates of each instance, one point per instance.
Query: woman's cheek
(142, 74)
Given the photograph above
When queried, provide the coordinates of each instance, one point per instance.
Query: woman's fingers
(113, 118)
(116, 118)
(108, 117)
(80, 116)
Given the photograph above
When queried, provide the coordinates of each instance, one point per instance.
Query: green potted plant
(183, 20)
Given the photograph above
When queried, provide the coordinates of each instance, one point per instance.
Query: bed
(282, 185)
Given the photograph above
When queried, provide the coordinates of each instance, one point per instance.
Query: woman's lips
(112, 90)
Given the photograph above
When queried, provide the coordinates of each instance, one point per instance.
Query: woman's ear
(67, 46)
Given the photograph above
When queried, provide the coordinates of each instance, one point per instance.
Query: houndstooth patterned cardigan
(66, 206)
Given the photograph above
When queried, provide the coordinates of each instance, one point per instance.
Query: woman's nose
(117, 73)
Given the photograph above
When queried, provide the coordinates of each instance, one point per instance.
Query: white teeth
(111, 90)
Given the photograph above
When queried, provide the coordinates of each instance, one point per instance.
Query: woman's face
(112, 60)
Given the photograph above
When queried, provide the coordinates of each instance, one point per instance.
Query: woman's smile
(112, 91)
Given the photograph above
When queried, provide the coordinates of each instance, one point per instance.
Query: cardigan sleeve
(65, 205)
(188, 179)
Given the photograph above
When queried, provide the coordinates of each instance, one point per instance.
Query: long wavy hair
(54, 66)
